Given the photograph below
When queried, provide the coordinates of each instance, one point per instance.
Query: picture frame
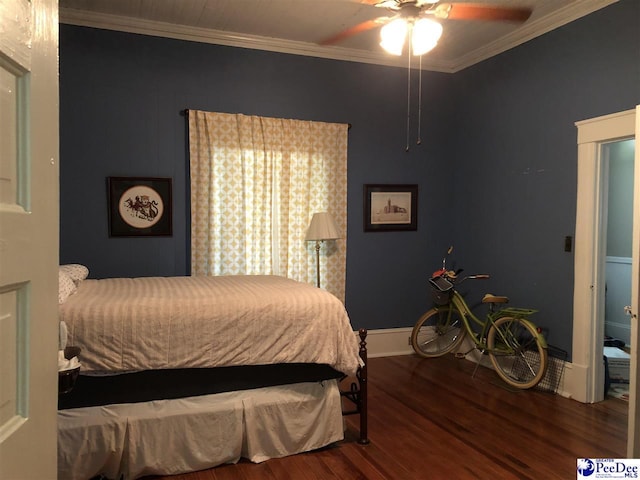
(139, 206)
(390, 207)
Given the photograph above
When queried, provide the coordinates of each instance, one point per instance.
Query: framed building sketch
(390, 207)
(139, 206)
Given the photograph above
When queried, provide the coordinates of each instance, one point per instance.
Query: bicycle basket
(441, 291)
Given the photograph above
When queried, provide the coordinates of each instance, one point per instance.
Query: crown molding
(218, 37)
(529, 31)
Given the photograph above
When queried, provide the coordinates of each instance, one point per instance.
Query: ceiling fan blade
(380, 3)
(477, 11)
(349, 32)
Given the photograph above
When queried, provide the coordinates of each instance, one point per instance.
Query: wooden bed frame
(357, 394)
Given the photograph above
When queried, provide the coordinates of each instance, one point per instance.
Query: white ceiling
(297, 26)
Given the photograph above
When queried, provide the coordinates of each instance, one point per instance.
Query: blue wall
(496, 168)
(516, 177)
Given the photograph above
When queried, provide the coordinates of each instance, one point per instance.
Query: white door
(28, 238)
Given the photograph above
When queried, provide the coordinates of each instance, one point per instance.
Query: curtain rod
(185, 112)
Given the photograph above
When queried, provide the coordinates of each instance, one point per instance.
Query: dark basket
(440, 298)
(67, 378)
(441, 290)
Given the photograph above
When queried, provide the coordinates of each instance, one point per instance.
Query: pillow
(66, 287)
(75, 271)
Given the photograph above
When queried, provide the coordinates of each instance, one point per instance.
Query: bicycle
(515, 346)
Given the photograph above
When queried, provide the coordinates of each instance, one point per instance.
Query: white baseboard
(388, 342)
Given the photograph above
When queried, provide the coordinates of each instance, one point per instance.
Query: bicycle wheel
(438, 331)
(516, 353)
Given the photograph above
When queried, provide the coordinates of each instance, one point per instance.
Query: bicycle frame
(458, 302)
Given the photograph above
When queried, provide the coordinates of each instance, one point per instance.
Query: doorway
(585, 380)
(618, 167)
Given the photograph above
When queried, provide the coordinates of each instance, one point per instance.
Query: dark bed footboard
(357, 394)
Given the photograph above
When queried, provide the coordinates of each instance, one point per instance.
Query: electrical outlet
(409, 341)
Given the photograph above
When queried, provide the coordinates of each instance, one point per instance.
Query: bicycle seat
(491, 298)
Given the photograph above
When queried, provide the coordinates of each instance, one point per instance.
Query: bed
(251, 364)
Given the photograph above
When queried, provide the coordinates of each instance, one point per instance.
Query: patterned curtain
(255, 184)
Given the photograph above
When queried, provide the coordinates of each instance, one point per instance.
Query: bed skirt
(167, 437)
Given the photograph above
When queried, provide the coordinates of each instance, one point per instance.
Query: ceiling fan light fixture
(425, 36)
(392, 36)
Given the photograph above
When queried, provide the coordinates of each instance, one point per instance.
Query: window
(255, 184)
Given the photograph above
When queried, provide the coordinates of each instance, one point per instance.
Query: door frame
(586, 383)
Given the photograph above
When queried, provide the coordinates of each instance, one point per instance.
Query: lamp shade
(392, 36)
(425, 36)
(322, 227)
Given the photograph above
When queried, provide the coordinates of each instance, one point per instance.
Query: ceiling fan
(414, 16)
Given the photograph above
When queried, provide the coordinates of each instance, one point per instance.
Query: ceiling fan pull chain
(419, 99)
(408, 92)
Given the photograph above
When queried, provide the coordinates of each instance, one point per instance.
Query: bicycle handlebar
(453, 277)
(481, 276)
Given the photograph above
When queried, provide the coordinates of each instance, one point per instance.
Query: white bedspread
(132, 324)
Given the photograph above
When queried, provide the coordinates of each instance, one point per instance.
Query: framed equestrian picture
(139, 206)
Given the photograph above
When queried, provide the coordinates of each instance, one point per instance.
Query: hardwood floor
(429, 419)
